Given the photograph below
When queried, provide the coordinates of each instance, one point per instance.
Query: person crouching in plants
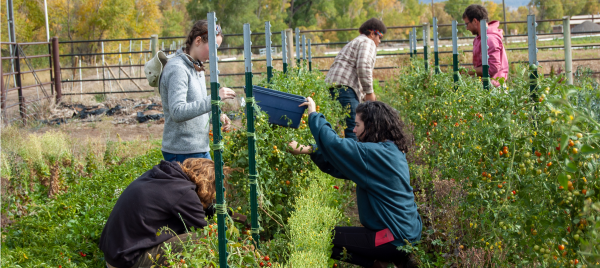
(178, 196)
(377, 164)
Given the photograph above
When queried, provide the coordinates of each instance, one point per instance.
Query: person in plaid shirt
(351, 74)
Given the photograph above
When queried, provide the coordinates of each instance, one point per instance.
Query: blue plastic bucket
(281, 107)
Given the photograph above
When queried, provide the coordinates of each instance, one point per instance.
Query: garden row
(59, 201)
(506, 177)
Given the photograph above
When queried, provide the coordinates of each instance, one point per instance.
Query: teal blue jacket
(385, 198)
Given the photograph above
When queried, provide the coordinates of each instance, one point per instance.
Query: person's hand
(370, 97)
(296, 149)
(226, 93)
(310, 104)
(226, 122)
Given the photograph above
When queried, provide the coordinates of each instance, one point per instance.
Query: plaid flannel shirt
(353, 66)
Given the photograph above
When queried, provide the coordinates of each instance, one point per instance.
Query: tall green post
(436, 58)
(410, 44)
(485, 77)
(298, 46)
(455, 54)
(268, 51)
(284, 51)
(309, 57)
(253, 180)
(426, 45)
(533, 63)
(415, 41)
(221, 206)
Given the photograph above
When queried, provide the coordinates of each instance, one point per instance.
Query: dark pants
(347, 98)
(182, 157)
(360, 247)
(176, 244)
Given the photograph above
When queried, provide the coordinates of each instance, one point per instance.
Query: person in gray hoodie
(186, 104)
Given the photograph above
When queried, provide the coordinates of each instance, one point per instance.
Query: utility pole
(433, 12)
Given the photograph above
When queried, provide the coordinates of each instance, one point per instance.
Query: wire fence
(115, 66)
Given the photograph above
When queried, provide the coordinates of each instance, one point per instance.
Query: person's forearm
(477, 72)
(370, 97)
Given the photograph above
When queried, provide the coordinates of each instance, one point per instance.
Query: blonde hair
(201, 171)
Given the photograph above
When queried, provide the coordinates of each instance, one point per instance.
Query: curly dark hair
(382, 123)
(373, 24)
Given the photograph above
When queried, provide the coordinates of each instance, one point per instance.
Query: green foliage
(283, 176)
(315, 214)
(519, 158)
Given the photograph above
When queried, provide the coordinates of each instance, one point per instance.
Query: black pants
(360, 246)
(348, 99)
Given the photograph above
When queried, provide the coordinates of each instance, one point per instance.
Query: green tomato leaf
(564, 182)
(570, 166)
(564, 140)
(586, 149)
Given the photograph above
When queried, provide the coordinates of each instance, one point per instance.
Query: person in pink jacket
(497, 55)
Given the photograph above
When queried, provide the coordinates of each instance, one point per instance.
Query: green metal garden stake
(485, 77)
(435, 46)
(268, 51)
(455, 54)
(309, 57)
(221, 206)
(284, 51)
(533, 63)
(415, 41)
(410, 44)
(426, 46)
(251, 137)
(298, 46)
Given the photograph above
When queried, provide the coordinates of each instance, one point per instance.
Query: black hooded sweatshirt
(163, 196)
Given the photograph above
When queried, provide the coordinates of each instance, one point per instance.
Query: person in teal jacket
(377, 164)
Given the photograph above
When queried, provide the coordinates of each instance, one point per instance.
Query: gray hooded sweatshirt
(186, 106)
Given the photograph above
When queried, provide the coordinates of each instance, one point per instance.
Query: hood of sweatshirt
(494, 30)
(169, 171)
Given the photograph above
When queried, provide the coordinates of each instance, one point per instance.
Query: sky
(509, 3)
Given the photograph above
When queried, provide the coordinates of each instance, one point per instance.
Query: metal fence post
(309, 57)
(253, 178)
(410, 44)
(2, 95)
(425, 45)
(304, 48)
(289, 37)
(533, 63)
(56, 65)
(436, 58)
(284, 50)
(22, 109)
(221, 206)
(298, 46)
(268, 52)
(568, 52)
(415, 41)
(455, 53)
(154, 44)
(485, 77)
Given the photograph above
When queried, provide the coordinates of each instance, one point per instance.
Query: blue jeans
(347, 98)
(182, 157)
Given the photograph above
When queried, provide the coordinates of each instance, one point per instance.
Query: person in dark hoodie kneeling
(173, 195)
(377, 164)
